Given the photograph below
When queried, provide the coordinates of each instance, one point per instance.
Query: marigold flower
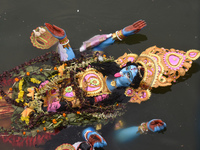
(10, 89)
(17, 100)
(117, 104)
(55, 68)
(78, 112)
(16, 79)
(24, 133)
(44, 128)
(41, 70)
(38, 131)
(54, 121)
(28, 73)
(65, 64)
(64, 114)
(104, 55)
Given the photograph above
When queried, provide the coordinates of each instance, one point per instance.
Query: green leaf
(71, 115)
(40, 77)
(22, 73)
(29, 69)
(35, 68)
(85, 121)
(46, 74)
(34, 133)
(72, 119)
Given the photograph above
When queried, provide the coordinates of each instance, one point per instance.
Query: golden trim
(155, 66)
(177, 55)
(195, 51)
(114, 36)
(82, 82)
(120, 34)
(113, 83)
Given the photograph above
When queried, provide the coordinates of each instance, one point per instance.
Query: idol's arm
(120, 35)
(64, 46)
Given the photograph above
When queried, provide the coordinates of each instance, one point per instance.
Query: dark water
(170, 24)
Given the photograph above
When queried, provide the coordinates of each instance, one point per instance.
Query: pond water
(170, 24)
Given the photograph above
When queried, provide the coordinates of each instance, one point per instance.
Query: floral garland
(41, 121)
(21, 92)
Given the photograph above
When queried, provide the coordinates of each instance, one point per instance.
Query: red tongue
(117, 75)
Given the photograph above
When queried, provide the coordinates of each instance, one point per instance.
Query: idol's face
(127, 75)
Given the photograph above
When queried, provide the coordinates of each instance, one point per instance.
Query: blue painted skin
(96, 144)
(156, 128)
(128, 74)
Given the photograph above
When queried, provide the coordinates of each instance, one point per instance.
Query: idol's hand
(95, 139)
(156, 125)
(134, 28)
(57, 32)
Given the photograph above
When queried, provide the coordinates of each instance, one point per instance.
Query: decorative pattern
(138, 95)
(193, 54)
(169, 65)
(44, 41)
(123, 60)
(92, 82)
(173, 60)
(161, 68)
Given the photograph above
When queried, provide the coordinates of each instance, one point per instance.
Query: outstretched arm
(97, 44)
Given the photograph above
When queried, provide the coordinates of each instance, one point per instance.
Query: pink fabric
(94, 41)
(101, 97)
(43, 84)
(54, 106)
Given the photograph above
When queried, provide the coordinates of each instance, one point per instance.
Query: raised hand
(134, 28)
(95, 139)
(57, 32)
(156, 125)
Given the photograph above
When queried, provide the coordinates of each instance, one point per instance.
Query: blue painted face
(127, 75)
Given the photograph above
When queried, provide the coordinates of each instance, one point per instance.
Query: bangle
(118, 36)
(65, 43)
